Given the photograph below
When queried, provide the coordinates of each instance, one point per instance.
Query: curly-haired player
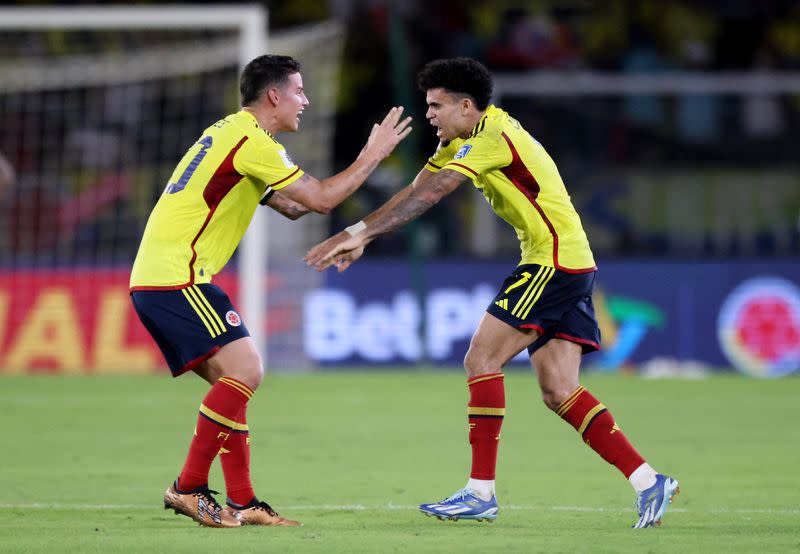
(544, 305)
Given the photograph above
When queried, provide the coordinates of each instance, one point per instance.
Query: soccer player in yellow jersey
(545, 305)
(234, 166)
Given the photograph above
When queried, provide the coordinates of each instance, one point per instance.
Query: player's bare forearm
(337, 188)
(406, 210)
(322, 196)
(427, 189)
(332, 244)
(286, 206)
(411, 202)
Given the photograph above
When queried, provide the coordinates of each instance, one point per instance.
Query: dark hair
(460, 76)
(263, 72)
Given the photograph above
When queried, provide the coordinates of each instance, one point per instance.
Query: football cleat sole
(454, 518)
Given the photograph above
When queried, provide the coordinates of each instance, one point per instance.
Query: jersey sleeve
(442, 155)
(479, 154)
(269, 164)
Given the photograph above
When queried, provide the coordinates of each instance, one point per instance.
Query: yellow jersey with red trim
(208, 203)
(522, 184)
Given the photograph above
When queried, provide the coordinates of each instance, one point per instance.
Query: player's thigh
(493, 345)
(239, 359)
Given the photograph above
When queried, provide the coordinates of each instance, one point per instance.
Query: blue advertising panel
(724, 314)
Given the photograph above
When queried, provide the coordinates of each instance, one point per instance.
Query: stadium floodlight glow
(250, 21)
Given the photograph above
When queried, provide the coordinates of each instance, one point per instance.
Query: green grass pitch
(86, 460)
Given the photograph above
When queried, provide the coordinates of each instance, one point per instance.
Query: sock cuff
(237, 386)
(487, 377)
(580, 409)
(570, 401)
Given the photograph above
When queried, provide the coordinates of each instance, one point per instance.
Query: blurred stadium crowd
(599, 141)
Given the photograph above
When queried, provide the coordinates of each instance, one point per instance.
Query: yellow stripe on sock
(237, 383)
(485, 378)
(213, 312)
(567, 407)
(589, 416)
(539, 292)
(567, 404)
(221, 419)
(193, 293)
(472, 410)
(200, 314)
(241, 387)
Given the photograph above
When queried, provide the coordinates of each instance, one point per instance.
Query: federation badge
(233, 318)
(759, 327)
(462, 152)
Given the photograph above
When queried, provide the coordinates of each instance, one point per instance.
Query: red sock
(218, 412)
(597, 427)
(485, 411)
(235, 459)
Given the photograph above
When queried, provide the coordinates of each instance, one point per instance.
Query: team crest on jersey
(462, 152)
(233, 318)
(287, 161)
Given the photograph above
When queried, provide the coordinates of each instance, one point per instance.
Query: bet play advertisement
(741, 315)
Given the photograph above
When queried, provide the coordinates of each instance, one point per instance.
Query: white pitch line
(383, 507)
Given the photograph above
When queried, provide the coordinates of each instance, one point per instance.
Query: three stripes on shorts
(202, 307)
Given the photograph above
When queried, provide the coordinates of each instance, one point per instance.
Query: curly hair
(460, 76)
(264, 71)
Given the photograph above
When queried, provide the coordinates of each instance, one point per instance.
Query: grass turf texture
(351, 455)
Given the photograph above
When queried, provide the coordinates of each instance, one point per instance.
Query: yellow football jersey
(522, 184)
(205, 209)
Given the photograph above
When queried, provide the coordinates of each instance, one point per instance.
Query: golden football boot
(258, 512)
(200, 505)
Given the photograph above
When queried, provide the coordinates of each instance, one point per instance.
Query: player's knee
(477, 364)
(255, 371)
(550, 399)
(249, 370)
(553, 396)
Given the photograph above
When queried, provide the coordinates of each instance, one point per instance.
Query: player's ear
(273, 96)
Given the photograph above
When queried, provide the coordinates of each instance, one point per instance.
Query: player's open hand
(387, 135)
(314, 255)
(340, 250)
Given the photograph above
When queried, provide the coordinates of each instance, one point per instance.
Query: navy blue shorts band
(551, 302)
(189, 325)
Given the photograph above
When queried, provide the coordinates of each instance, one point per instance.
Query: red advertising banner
(75, 321)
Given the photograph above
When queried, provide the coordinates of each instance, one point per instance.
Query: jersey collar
(482, 123)
(255, 122)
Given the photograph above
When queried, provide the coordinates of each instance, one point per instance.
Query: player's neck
(470, 120)
(269, 124)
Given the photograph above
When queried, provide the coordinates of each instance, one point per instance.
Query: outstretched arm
(285, 206)
(322, 196)
(347, 246)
